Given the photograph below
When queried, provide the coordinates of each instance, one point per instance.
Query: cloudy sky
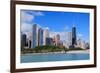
(57, 22)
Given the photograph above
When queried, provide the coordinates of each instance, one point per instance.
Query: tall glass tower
(40, 37)
(73, 36)
(34, 36)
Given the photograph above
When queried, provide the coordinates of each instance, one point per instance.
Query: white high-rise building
(34, 35)
(81, 44)
(69, 38)
(45, 35)
(65, 43)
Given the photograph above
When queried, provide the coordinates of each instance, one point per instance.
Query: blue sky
(58, 21)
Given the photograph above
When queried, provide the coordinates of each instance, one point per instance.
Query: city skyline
(57, 22)
(40, 37)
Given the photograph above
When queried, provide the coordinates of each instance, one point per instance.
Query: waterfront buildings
(40, 37)
(37, 36)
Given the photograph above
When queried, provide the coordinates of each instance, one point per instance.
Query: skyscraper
(37, 35)
(30, 38)
(69, 38)
(23, 40)
(45, 35)
(40, 37)
(29, 43)
(74, 36)
(34, 36)
(49, 41)
(81, 43)
(57, 39)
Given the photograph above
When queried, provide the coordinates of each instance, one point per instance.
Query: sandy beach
(79, 51)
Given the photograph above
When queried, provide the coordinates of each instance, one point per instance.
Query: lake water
(27, 58)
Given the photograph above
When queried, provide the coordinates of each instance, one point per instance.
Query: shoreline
(79, 51)
(63, 52)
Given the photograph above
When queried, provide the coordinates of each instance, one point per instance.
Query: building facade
(49, 41)
(34, 36)
(45, 35)
(69, 39)
(57, 39)
(40, 37)
(74, 36)
(23, 40)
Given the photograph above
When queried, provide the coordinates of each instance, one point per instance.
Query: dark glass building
(23, 40)
(49, 41)
(29, 43)
(40, 37)
(74, 36)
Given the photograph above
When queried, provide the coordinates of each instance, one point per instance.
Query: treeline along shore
(48, 49)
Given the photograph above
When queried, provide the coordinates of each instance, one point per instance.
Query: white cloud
(66, 28)
(28, 16)
(25, 27)
(38, 13)
(25, 17)
(79, 35)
